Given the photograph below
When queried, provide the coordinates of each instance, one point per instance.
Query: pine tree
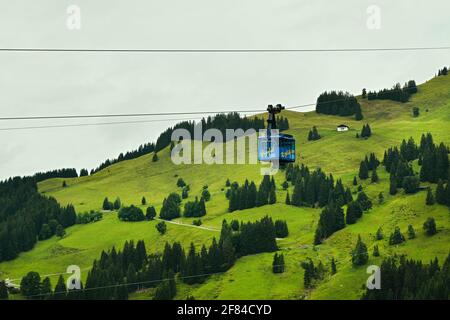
(376, 251)
(374, 177)
(60, 232)
(46, 289)
(106, 204)
(288, 199)
(272, 197)
(150, 213)
(354, 212)
(359, 254)
(411, 232)
(430, 227)
(363, 171)
(161, 227)
(447, 193)
(155, 157)
(440, 193)
(3, 291)
(355, 181)
(380, 198)
(364, 201)
(60, 289)
(117, 204)
(30, 285)
(298, 194)
(143, 201)
(379, 234)
(392, 185)
(396, 237)
(430, 198)
(333, 266)
(278, 263)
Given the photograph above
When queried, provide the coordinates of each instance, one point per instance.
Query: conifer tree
(359, 254)
(430, 198)
(376, 251)
(333, 266)
(364, 201)
(46, 289)
(150, 213)
(379, 234)
(396, 237)
(363, 171)
(3, 291)
(278, 263)
(354, 212)
(272, 197)
(288, 199)
(60, 289)
(392, 185)
(447, 193)
(117, 204)
(374, 177)
(430, 227)
(411, 232)
(440, 192)
(380, 198)
(161, 227)
(355, 181)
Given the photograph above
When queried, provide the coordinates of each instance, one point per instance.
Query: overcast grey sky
(92, 83)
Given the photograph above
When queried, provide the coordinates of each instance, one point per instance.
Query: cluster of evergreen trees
(171, 207)
(26, 216)
(89, 217)
(432, 158)
(108, 205)
(195, 208)
(131, 213)
(332, 217)
(248, 196)
(443, 72)
(313, 134)
(397, 93)
(442, 193)
(33, 288)
(315, 189)
(366, 131)
(370, 163)
(256, 237)
(117, 273)
(405, 279)
(338, 103)
(59, 173)
(278, 265)
(312, 273)
(282, 123)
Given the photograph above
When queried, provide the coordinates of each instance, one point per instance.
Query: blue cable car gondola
(280, 147)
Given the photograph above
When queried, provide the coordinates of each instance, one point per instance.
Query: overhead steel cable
(91, 124)
(245, 50)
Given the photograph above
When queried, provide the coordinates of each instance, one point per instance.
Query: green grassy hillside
(252, 277)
